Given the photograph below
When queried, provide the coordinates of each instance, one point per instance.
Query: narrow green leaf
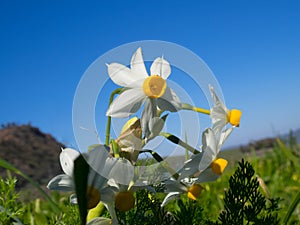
(177, 141)
(81, 171)
(292, 208)
(7, 165)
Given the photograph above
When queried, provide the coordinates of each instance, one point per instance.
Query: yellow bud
(128, 124)
(194, 191)
(93, 196)
(234, 117)
(218, 166)
(154, 86)
(124, 201)
(95, 212)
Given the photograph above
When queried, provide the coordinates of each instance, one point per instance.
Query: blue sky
(252, 47)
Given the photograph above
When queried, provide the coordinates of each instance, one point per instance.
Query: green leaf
(81, 171)
(7, 165)
(292, 208)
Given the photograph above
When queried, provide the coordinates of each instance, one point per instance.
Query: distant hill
(31, 151)
(269, 143)
(37, 153)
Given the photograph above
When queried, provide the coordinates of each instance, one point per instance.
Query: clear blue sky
(253, 48)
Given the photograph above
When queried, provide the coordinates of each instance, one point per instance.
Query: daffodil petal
(113, 184)
(67, 157)
(169, 101)
(107, 195)
(207, 175)
(155, 126)
(171, 196)
(148, 113)
(61, 182)
(218, 103)
(122, 75)
(126, 103)
(190, 166)
(97, 159)
(96, 180)
(160, 67)
(111, 208)
(122, 172)
(218, 125)
(223, 137)
(174, 186)
(137, 65)
(73, 199)
(209, 147)
(219, 113)
(109, 163)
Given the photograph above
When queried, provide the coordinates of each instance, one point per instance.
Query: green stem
(186, 150)
(115, 148)
(177, 141)
(111, 98)
(292, 208)
(193, 108)
(10, 167)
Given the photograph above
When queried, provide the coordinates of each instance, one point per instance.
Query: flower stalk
(177, 141)
(108, 124)
(187, 106)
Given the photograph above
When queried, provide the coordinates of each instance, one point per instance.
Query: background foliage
(272, 179)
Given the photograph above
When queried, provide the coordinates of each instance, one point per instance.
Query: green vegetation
(264, 188)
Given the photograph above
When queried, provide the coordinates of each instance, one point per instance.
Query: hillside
(37, 154)
(31, 151)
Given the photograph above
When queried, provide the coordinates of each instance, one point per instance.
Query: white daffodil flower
(97, 187)
(191, 186)
(175, 188)
(64, 182)
(220, 115)
(102, 168)
(124, 199)
(119, 169)
(140, 88)
(211, 146)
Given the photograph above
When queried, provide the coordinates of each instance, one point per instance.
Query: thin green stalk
(292, 208)
(116, 149)
(177, 141)
(10, 167)
(111, 98)
(193, 108)
(186, 150)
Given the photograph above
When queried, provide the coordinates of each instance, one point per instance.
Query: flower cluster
(113, 175)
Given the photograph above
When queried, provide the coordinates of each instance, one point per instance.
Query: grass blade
(8, 166)
(81, 171)
(291, 208)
